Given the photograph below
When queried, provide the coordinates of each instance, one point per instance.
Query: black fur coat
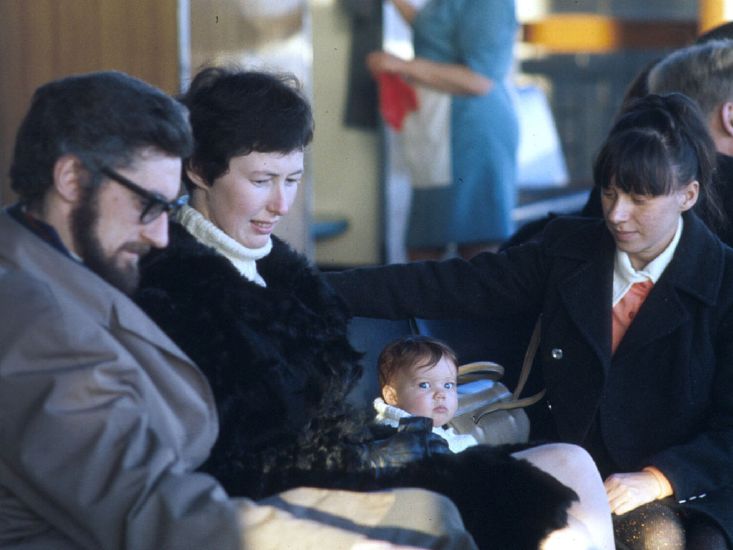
(280, 366)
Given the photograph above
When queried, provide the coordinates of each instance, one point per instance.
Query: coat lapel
(664, 311)
(660, 314)
(100, 300)
(586, 293)
(128, 316)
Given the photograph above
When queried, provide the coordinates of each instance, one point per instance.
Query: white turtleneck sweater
(240, 256)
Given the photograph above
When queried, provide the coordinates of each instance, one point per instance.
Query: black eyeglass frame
(155, 205)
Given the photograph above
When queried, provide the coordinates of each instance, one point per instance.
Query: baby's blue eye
(449, 385)
(424, 385)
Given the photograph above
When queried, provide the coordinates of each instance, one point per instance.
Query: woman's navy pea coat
(664, 398)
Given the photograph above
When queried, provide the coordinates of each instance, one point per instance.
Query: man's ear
(389, 394)
(69, 176)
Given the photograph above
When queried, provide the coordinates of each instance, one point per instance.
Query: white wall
(345, 161)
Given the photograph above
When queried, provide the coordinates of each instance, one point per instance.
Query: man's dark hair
(104, 118)
(236, 112)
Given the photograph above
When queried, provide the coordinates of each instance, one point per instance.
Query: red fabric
(397, 99)
(626, 309)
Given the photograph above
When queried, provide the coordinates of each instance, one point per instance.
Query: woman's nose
(278, 203)
(619, 211)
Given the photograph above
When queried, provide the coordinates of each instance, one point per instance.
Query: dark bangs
(637, 161)
(661, 143)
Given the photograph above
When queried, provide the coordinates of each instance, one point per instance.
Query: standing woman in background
(464, 48)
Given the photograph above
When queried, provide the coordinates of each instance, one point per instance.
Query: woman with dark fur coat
(271, 338)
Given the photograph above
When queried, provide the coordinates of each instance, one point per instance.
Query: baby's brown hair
(419, 351)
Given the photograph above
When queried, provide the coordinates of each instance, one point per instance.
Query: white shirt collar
(624, 274)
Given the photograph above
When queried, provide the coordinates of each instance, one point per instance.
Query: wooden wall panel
(80, 43)
(599, 34)
(45, 39)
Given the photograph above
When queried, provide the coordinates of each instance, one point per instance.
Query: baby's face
(428, 391)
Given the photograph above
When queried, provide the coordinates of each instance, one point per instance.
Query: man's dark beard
(84, 221)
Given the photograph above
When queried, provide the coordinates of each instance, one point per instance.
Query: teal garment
(477, 206)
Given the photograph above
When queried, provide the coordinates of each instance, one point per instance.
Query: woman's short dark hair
(660, 143)
(104, 118)
(419, 351)
(235, 112)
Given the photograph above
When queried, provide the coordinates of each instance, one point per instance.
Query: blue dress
(477, 206)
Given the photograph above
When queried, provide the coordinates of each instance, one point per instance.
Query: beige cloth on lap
(321, 519)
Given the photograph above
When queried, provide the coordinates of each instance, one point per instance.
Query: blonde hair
(703, 72)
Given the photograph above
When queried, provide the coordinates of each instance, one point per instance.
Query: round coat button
(556, 353)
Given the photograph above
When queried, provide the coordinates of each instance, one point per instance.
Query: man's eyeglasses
(154, 204)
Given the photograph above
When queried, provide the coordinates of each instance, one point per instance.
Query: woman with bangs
(636, 349)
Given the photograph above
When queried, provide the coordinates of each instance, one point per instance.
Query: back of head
(236, 112)
(703, 72)
(411, 352)
(639, 87)
(104, 118)
(659, 144)
(719, 32)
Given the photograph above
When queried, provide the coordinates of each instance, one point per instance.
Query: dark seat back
(370, 336)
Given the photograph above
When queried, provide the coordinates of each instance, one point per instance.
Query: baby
(418, 377)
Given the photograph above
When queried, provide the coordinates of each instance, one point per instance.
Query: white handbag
(487, 410)
(426, 139)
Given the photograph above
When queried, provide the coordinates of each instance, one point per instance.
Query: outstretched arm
(451, 78)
